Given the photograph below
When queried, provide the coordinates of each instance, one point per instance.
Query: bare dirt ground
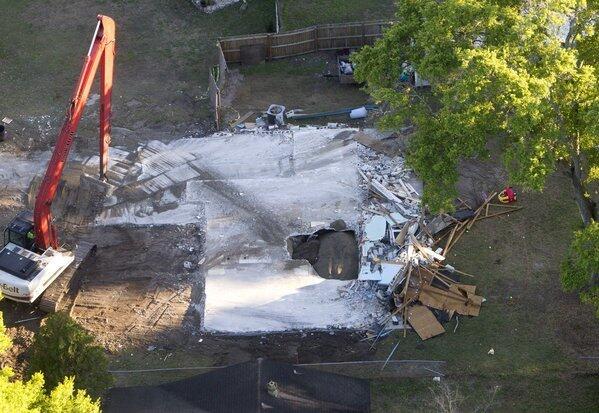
(305, 82)
(139, 286)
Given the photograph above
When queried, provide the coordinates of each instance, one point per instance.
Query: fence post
(277, 20)
(363, 35)
(268, 47)
(315, 38)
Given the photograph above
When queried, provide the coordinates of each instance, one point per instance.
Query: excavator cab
(20, 231)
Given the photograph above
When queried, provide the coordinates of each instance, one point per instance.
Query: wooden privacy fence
(308, 40)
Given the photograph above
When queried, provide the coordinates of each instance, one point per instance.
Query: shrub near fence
(308, 40)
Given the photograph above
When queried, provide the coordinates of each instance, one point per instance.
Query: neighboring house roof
(244, 388)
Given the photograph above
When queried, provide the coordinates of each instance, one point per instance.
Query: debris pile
(399, 250)
(345, 68)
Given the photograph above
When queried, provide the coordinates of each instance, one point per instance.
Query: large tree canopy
(521, 71)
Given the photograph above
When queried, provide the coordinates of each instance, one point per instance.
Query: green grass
(140, 359)
(298, 14)
(310, 66)
(541, 394)
(164, 50)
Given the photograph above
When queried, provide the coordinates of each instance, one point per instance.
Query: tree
(580, 270)
(18, 396)
(63, 348)
(521, 71)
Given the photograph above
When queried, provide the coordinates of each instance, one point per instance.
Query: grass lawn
(297, 14)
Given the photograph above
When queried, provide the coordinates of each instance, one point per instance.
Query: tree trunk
(586, 206)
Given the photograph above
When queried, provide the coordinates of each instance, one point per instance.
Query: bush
(62, 348)
(591, 297)
(581, 266)
(18, 396)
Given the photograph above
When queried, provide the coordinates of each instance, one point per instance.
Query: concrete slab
(252, 191)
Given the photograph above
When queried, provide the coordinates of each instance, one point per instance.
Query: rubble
(308, 179)
(399, 252)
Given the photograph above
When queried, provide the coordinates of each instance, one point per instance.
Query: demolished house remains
(401, 249)
(326, 231)
(400, 256)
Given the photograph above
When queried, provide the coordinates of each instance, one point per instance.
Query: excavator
(32, 261)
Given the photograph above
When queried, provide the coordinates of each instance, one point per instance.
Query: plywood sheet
(424, 322)
(470, 289)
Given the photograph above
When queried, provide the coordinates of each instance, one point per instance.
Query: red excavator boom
(101, 53)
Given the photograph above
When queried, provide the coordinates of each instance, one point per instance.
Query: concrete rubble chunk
(376, 228)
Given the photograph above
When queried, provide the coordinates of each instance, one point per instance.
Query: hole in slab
(333, 253)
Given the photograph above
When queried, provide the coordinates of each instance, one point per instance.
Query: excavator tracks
(64, 288)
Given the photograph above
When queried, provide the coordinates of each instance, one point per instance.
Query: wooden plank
(242, 119)
(499, 213)
(448, 243)
(472, 306)
(460, 231)
(426, 276)
(425, 250)
(480, 210)
(470, 289)
(383, 191)
(300, 42)
(424, 322)
(505, 206)
(452, 300)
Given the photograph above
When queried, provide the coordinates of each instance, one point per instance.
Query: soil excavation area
(139, 286)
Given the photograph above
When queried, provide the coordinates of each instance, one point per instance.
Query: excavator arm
(100, 55)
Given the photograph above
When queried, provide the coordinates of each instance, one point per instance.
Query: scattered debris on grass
(210, 6)
(346, 68)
